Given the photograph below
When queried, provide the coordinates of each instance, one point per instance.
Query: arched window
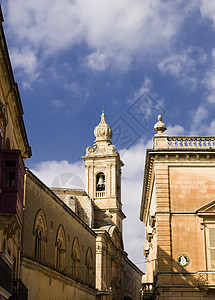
(38, 243)
(100, 182)
(75, 257)
(89, 265)
(40, 232)
(60, 248)
(14, 270)
(3, 246)
(7, 144)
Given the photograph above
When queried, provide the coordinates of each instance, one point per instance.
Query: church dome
(103, 132)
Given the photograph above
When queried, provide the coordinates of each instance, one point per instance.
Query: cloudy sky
(137, 58)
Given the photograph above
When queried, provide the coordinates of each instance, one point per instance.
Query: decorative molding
(105, 148)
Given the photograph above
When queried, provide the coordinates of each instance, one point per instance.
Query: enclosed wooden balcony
(12, 184)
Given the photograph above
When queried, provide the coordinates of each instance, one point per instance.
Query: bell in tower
(100, 182)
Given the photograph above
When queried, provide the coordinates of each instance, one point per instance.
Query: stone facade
(103, 178)
(72, 241)
(59, 243)
(132, 281)
(79, 202)
(101, 208)
(179, 215)
(58, 255)
(114, 271)
(14, 147)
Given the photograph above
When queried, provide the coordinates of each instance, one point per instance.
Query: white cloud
(200, 124)
(174, 130)
(50, 171)
(207, 9)
(57, 103)
(61, 73)
(183, 65)
(146, 87)
(78, 94)
(132, 184)
(101, 60)
(97, 61)
(175, 63)
(133, 159)
(114, 31)
(146, 105)
(75, 92)
(211, 128)
(25, 59)
(198, 117)
(48, 25)
(76, 89)
(209, 79)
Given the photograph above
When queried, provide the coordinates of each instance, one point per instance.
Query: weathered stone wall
(79, 202)
(46, 283)
(182, 184)
(39, 197)
(132, 280)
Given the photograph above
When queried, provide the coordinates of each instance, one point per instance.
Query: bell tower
(103, 178)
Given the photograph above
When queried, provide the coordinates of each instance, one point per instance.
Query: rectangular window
(210, 243)
(9, 179)
(10, 163)
(212, 247)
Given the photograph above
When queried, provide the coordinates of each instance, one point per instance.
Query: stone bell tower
(103, 178)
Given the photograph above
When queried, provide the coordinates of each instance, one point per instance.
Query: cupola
(103, 132)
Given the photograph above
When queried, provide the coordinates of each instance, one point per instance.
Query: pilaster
(163, 222)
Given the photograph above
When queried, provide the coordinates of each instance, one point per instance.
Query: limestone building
(72, 239)
(59, 244)
(115, 273)
(14, 149)
(178, 211)
(58, 250)
(100, 207)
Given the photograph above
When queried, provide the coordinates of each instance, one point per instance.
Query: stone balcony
(191, 142)
(162, 141)
(206, 279)
(100, 194)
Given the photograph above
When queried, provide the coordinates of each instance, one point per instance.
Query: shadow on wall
(174, 279)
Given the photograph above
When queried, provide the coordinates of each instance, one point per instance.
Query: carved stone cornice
(146, 185)
(105, 148)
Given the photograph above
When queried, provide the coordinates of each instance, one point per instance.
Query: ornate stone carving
(91, 150)
(103, 136)
(103, 132)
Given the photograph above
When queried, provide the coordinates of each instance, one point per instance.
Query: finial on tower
(103, 132)
(103, 112)
(160, 127)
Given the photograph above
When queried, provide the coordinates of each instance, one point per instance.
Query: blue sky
(136, 58)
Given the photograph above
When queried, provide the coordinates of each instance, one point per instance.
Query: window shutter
(212, 247)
